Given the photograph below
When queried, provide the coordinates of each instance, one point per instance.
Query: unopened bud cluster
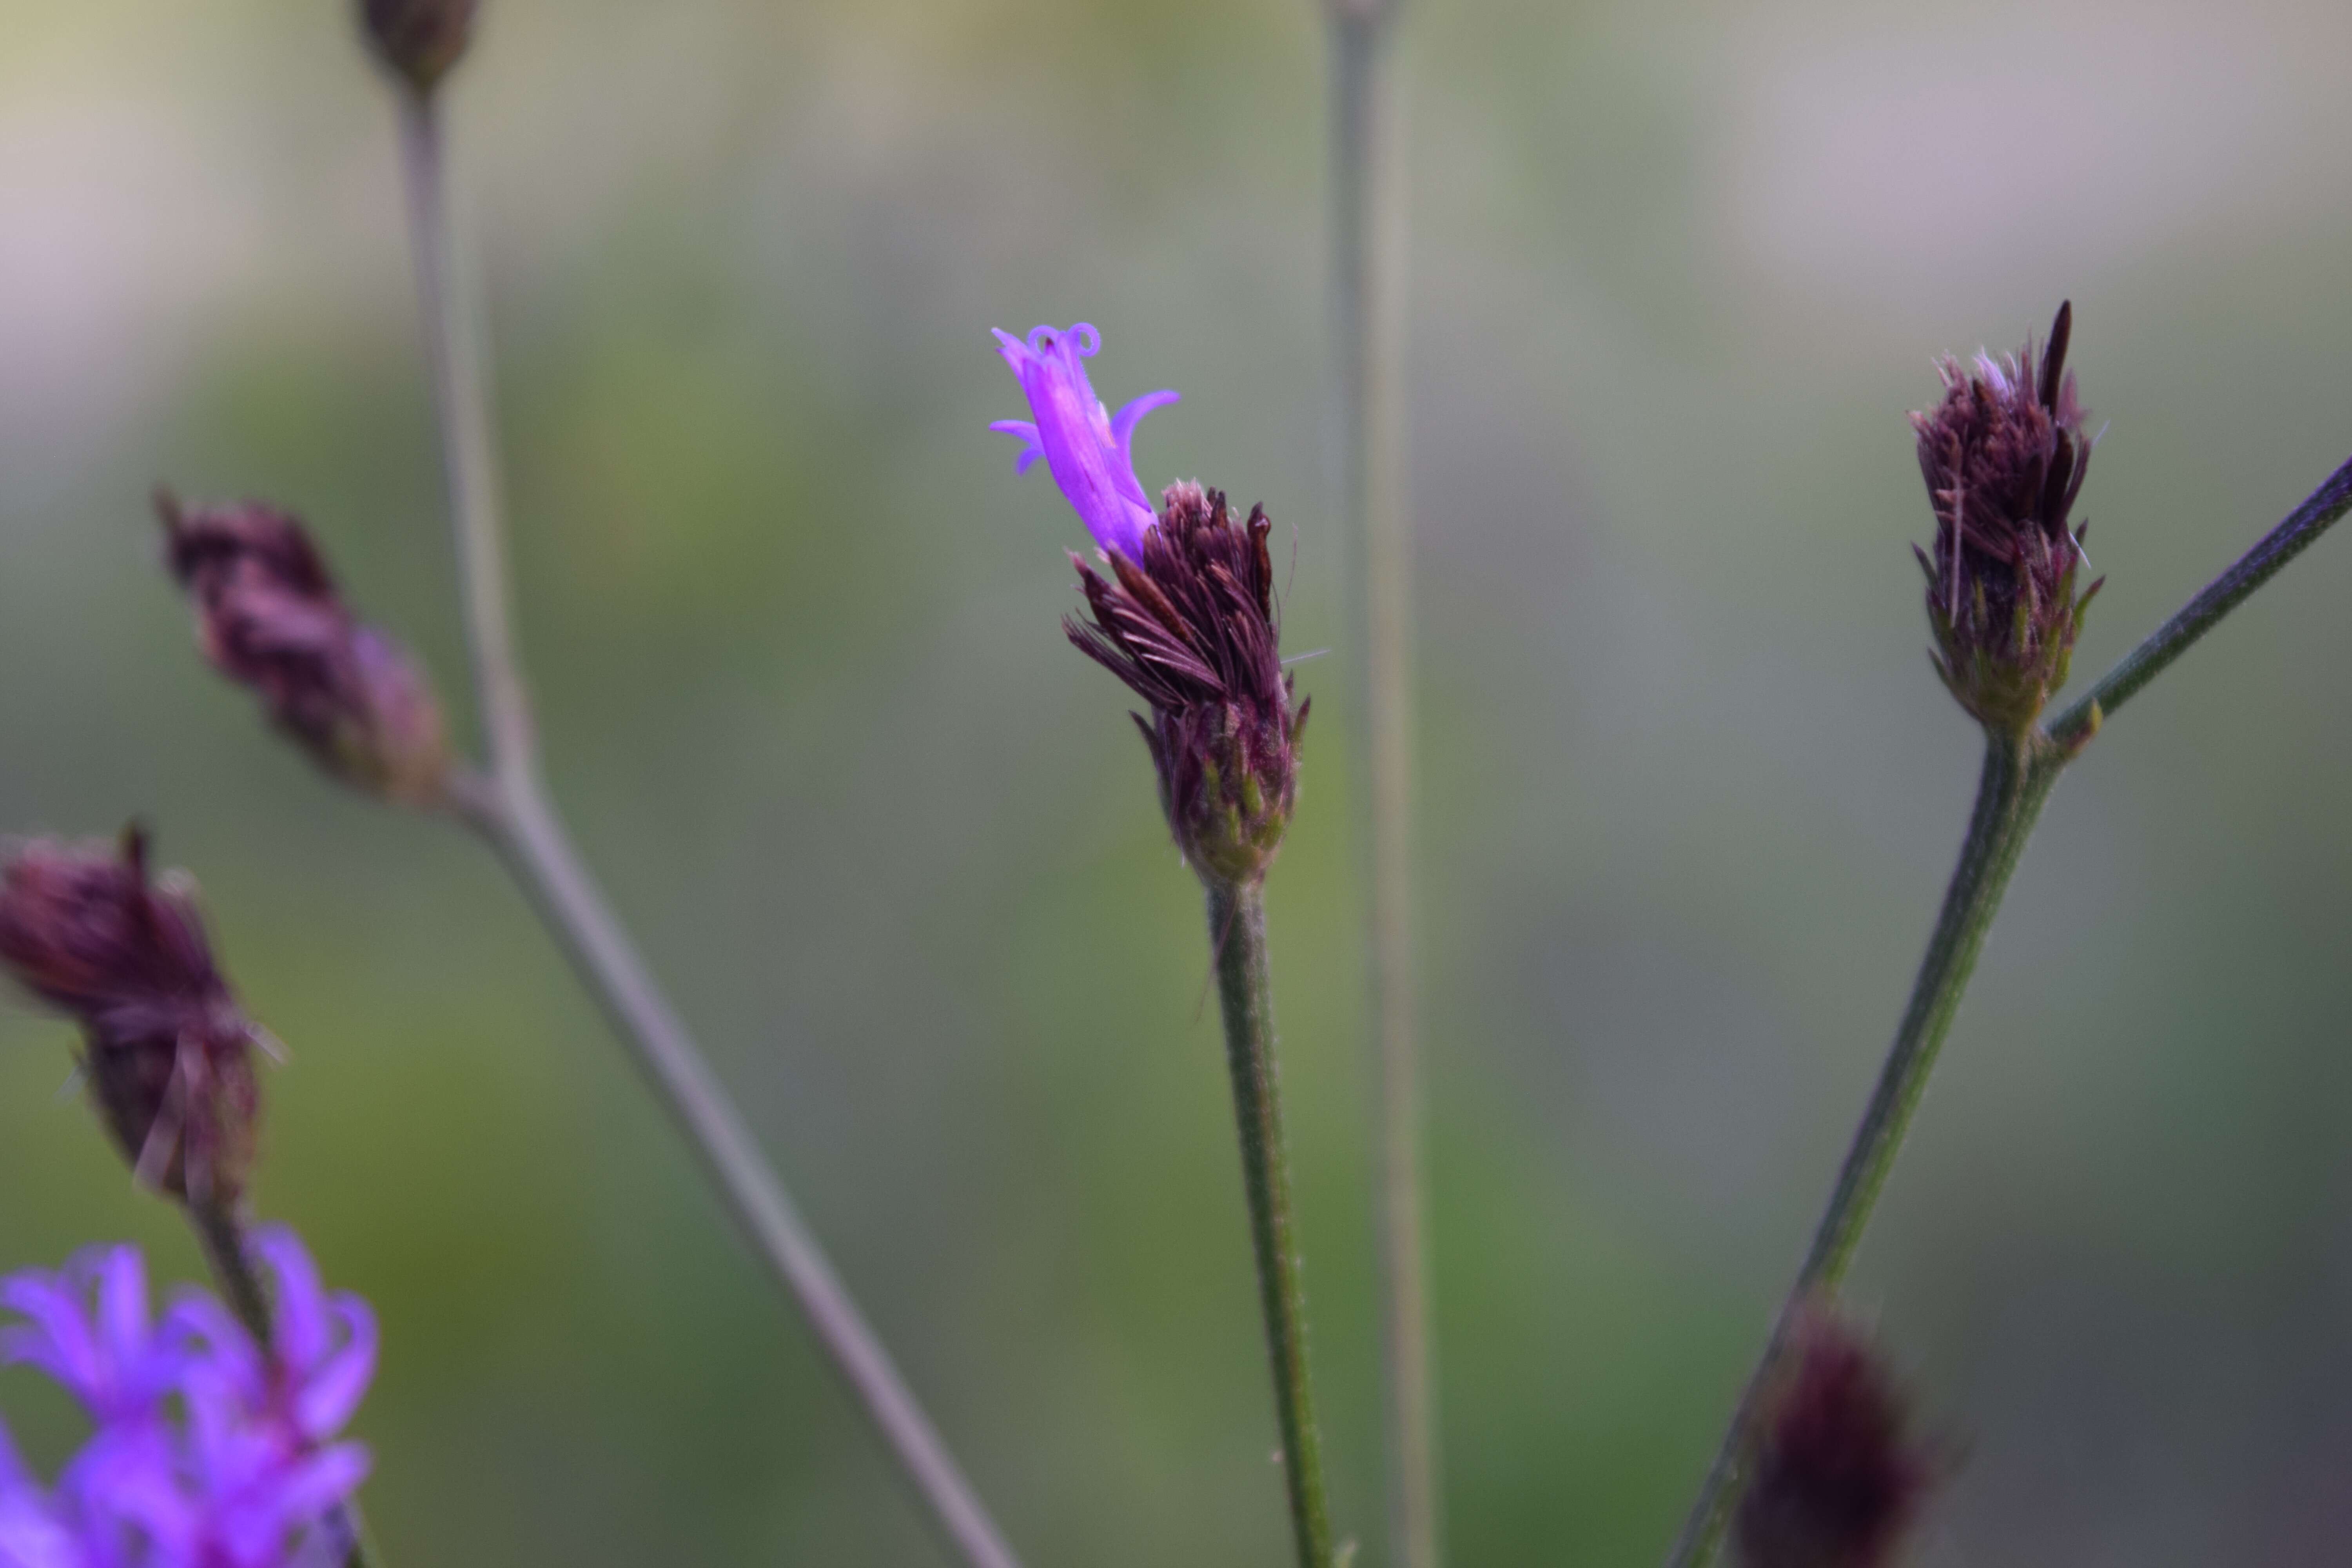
(169, 1054)
(268, 617)
(420, 39)
(1190, 628)
(1836, 1480)
(2004, 457)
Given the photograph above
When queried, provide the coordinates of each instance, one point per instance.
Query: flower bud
(2004, 457)
(267, 617)
(419, 39)
(169, 1055)
(1835, 1482)
(1191, 627)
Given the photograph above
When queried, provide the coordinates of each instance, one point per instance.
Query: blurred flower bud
(420, 39)
(268, 618)
(1836, 1482)
(169, 1054)
(1190, 626)
(2004, 457)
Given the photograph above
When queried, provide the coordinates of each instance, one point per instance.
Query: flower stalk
(1245, 996)
(1368, 313)
(2016, 780)
(510, 806)
(2003, 460)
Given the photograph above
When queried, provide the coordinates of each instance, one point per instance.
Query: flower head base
(2004, 457)
(209, 1451)
(419, 39)
(267, 617)
(1836, 1482)
(169, 1054)
(1086, 446)
(1188, 624)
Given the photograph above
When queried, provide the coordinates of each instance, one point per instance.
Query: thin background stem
(1245, 992)
(510, 807)
(2018, 777)
(1368, 324)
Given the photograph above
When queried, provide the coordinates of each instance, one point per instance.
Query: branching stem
(2018, 773)
(510, 807)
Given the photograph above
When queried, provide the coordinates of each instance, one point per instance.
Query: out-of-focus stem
(510, 807)
(1368, 317)
(1245, 992)
(220, 1234)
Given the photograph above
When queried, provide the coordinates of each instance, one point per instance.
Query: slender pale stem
(2017, 778)
(1237, 934)
(220, 1234)
(1368, 317)
(511, 809)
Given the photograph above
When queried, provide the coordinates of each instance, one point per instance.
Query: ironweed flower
(169, 1054)
(1190, 626)
(1086, 446)
(2003, 456)
(267, 617)
(1836, 1482)
(1186, 618)
(207, 1451)
(419, 39)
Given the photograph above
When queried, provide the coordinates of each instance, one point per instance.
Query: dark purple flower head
(267, 617)
(1836, 1480)
(2004, 457)
(1188, 624)
(238, 1469)
(169, 1054)
(419, 39)
(1085, 446)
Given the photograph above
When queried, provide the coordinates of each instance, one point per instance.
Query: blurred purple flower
(245, 1478)
(1086, 446)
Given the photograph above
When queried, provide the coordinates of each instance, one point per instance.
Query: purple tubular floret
(1085, 449)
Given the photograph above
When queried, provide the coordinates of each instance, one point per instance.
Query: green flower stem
(220, 1234)
(2017, 774)
(1237, 935)
(511, 809)
(2255, 567)
(2018, 777)
(1368, 326)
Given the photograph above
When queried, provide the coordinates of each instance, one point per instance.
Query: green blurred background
(1678, 271)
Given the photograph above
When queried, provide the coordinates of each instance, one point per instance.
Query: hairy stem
(1237, 934)
(2019, 773)
(220, 1234)
(2255, 567)
(1368, 318)
(511, 808)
